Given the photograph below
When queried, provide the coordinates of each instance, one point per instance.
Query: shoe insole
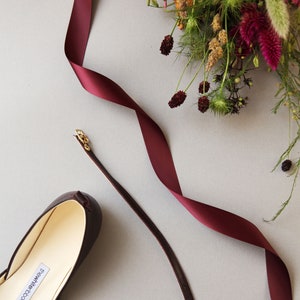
(51, 257)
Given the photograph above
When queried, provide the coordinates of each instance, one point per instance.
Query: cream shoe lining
(55, 241)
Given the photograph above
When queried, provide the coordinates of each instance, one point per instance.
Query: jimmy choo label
(34, 282)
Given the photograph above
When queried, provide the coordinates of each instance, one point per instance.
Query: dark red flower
(294, 2)
(166, 45)
(286, 165)
(242, 49)
(251, 24)
(203, 104)
(204, 87)
(270, 45)
(177, 99)
(255, 29)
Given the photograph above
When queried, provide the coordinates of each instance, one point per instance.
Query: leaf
(256, 61)
(153, 3)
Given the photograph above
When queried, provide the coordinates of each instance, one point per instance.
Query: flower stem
(285, 203)
(195, 75)
(182, 73)
(174, 27)
(227, 54)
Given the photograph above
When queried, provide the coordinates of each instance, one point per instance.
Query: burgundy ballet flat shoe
(52, 249)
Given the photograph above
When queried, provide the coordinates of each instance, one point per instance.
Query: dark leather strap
(182, 280)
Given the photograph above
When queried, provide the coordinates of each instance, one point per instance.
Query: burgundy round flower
(286, 165)
(203, 104)
(166, 45)
(177, 99)
(204, 87)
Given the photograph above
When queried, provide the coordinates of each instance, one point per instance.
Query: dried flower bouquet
(227, 39)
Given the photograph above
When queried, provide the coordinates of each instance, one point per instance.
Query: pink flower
(251, 23)
(296, 2)
(256, 28)
(270, 46)
(242, 49)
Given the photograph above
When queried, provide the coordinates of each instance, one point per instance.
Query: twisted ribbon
(160, 155)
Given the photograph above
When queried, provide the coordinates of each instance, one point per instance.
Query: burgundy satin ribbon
(160, 156)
